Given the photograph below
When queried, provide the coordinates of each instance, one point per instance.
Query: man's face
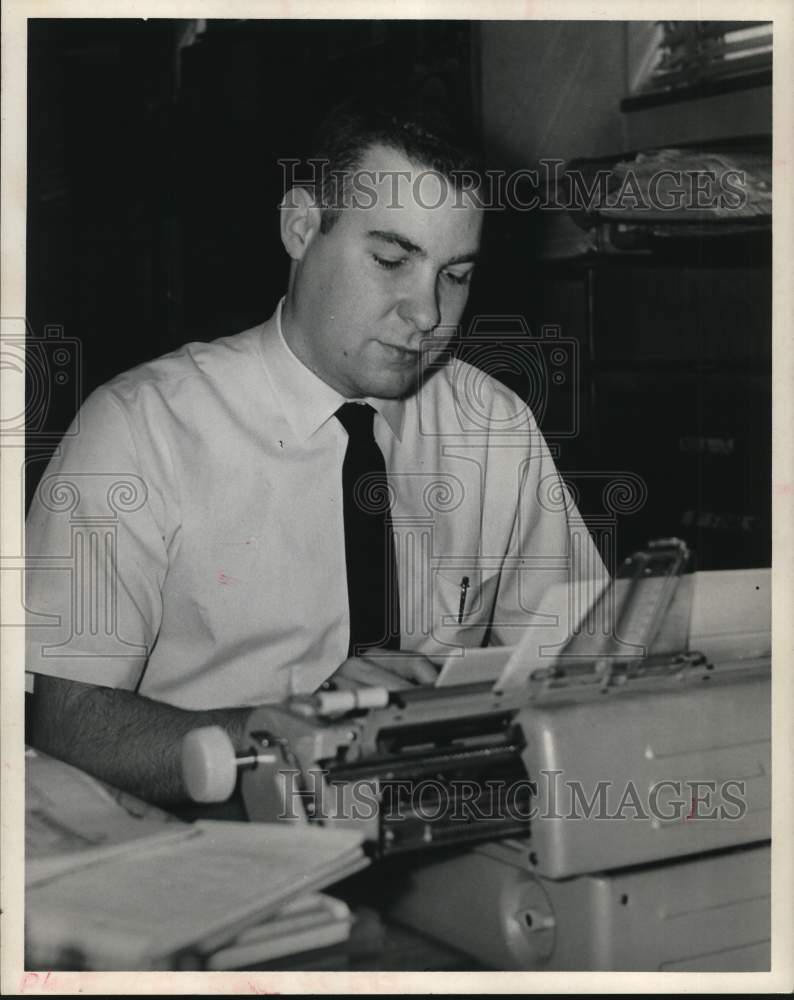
(394, 268)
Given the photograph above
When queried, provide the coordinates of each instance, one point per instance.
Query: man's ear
(300, 221)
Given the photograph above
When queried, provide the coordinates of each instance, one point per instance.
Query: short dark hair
(427, 136)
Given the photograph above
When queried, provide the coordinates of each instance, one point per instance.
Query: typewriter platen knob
(209, 764)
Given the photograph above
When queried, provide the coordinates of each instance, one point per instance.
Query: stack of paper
(313, 921)
(165, 898)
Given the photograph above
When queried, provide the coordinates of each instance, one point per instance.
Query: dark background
(152, 220)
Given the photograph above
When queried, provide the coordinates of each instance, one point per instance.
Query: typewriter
(607, 810)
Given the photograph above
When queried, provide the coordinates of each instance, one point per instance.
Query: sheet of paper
(472, 665)
(732, 613)
(546, 633)
(72, 820)
(560, 614)
(312, 921)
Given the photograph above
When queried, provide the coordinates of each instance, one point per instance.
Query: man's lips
(403, 355)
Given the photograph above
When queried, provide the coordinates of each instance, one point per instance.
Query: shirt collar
(307, 401)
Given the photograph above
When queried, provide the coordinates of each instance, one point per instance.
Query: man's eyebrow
(401, 241)
(463, 258)
(411, 247)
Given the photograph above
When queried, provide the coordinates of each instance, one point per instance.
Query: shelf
(706, 88)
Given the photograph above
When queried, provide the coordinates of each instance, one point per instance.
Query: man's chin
(405, 391)
(393, 386)
(389, 383)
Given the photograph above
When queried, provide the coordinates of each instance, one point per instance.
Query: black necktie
(369, 541)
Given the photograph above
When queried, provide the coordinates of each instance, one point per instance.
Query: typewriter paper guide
(730, 619)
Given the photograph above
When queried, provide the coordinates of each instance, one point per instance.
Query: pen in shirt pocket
(464, 586)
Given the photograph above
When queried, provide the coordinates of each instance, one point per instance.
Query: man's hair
(425, 136)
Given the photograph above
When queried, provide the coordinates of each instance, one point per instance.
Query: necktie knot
(357, 418)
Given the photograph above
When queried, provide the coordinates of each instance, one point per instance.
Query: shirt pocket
(462, 605)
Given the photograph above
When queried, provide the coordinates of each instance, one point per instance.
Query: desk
(378, 945)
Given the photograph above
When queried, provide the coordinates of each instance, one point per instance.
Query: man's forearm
(120, 737)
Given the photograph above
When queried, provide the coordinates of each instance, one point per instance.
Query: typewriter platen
(404, 766)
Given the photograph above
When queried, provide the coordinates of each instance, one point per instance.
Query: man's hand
(384, 668)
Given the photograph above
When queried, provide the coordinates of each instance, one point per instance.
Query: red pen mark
(692, 811)
(226, 580)
(253, 988)
(36, 981)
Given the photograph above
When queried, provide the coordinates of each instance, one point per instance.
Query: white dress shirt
(187, 542)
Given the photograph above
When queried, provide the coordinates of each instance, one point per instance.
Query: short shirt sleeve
(96, 553)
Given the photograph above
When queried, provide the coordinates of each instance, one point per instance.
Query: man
(230, 573)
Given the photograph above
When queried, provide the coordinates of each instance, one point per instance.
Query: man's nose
(420, 307)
